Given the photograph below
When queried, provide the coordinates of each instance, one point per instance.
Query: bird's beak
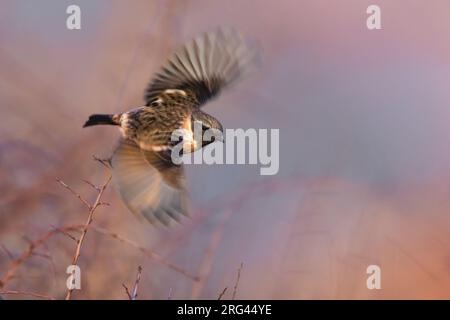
(222, 134)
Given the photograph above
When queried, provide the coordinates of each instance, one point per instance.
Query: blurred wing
(204, 66)
(149, 185)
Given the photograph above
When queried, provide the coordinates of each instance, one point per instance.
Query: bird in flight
(149, 182)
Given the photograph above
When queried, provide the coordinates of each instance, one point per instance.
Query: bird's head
(210, 123)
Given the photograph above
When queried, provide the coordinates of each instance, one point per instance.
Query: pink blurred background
(364, 150)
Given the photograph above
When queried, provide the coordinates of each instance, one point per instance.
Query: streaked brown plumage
(150, 184)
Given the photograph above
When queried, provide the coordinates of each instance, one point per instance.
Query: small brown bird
(149, 182)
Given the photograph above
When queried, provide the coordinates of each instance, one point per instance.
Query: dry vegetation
(42, 227)
(289, 236)
(57, 207)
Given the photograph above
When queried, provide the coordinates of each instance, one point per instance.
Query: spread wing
(204, 66)
(150, 184)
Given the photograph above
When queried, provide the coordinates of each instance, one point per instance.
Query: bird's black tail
(97, 119)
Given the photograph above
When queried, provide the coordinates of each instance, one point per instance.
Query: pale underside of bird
(150, 184)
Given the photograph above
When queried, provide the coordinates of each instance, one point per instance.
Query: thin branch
(62, 231)
(136, 284)
(29, 252)
(105, 162)
(127, 291)
(15, 264)
(89, 220)
(106, 204)
(26, 293)
(149, 253)
(8, 253)
(133, 295)
(208, 257)
(222, 293)
(28, 240)
(42, 255)
(91, 184)
(76, 194)
(237, 281)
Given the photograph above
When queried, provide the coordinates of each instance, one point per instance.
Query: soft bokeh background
(364, 152)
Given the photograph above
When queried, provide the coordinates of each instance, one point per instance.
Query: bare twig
(207, 261)
(89, 220)
(149, 253)
(62, 231)
(105, 162)
(76, 194)
(91, 184)
(8, 253)
(237, 281)
(33, 245)
(15, 264)
(133, 295)
(42, 255)
(26, 293)
(222, 293)
(136, 284)
(127, 291)
(106, 204)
